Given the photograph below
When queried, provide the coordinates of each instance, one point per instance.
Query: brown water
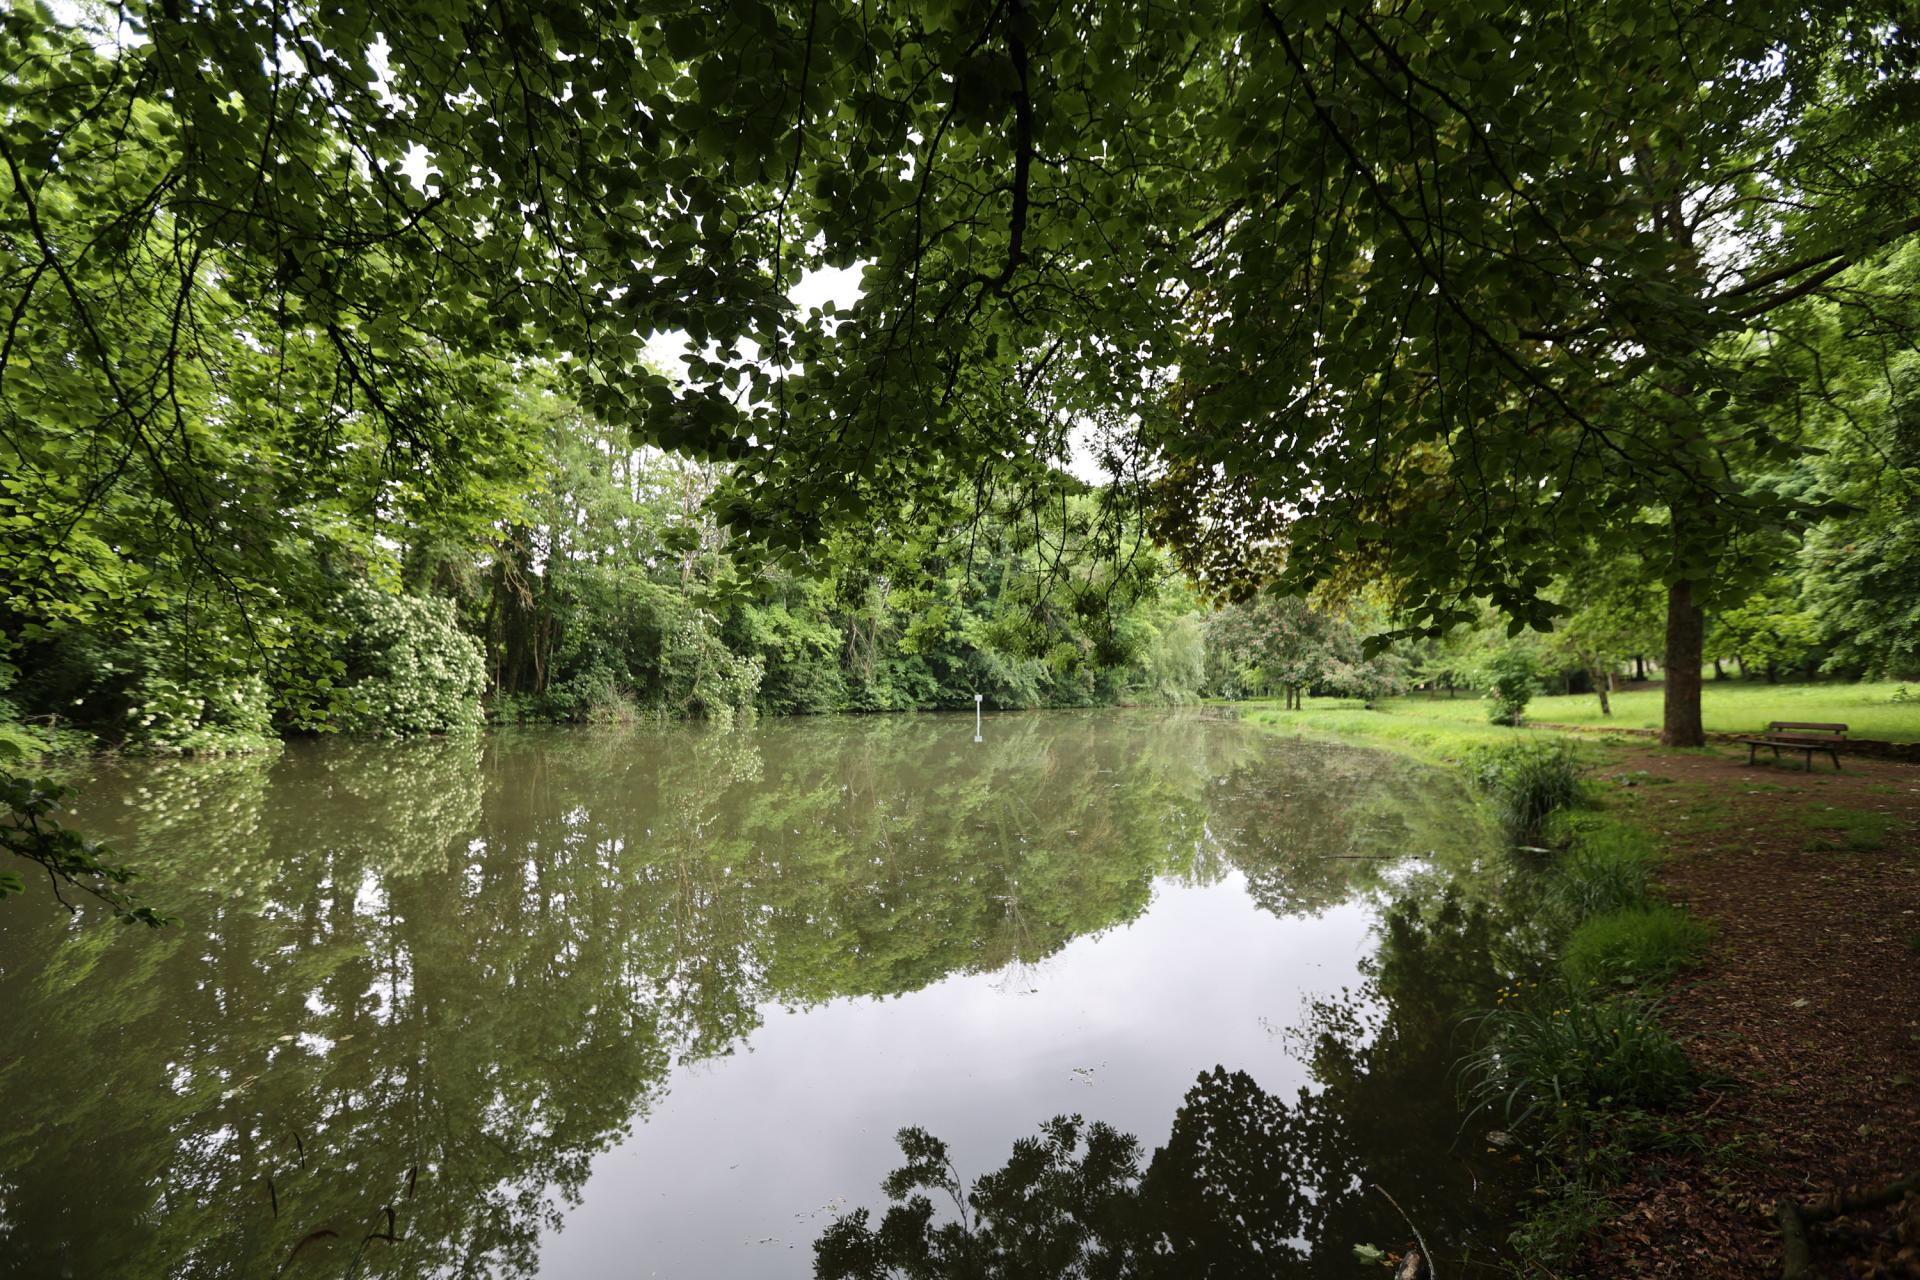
(580, 1003)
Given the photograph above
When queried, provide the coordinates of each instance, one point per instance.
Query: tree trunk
(1718, 673)
(1639, 666)
(1773, 671)
(1686, 632)
(1599, 686)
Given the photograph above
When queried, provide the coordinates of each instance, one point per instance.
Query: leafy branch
(29, 829)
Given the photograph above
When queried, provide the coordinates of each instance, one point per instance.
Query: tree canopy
(1435, 293)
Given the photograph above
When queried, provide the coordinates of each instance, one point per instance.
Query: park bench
(1800, 735)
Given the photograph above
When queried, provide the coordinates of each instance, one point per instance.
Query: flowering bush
(410, 669)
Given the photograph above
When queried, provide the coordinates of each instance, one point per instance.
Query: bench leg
(1836, 760)
(1750, 750)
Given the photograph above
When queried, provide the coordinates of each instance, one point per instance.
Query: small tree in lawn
(1512, 677)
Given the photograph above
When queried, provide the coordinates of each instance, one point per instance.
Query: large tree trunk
(1686, 631)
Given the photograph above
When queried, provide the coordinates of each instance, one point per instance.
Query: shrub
(1528, 783)
(409, 667)
(1633, 944)
(1558, 1062)
(702, 677)
(1512, 679)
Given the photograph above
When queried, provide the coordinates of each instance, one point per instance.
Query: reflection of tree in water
(1246, 1183)
(469, 968)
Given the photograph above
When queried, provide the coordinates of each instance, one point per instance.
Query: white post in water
(976, 718)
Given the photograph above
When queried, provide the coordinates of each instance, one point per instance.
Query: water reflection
(424, 993)
(1247, 1183)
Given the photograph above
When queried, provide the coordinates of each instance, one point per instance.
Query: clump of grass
(1528, 783)
(1633, 944)
(1552, 1234)
(1605, 868)
(1558, 1062)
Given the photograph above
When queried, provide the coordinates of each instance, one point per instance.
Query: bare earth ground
(1807, 1007)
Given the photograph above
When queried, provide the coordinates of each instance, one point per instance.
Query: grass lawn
(1868, 710)
(1432, 738)
(1727, 707)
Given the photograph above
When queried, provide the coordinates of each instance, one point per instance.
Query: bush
(1557, 1062)
(1633, 944)
(1528, 782)
(409, 667)
(1512, 679)
(702, 677)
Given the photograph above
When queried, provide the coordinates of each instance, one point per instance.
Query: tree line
(1438, 307)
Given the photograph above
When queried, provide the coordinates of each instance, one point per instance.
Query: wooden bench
(1800, 735)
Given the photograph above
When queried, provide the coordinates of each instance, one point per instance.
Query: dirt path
(1808, 1005)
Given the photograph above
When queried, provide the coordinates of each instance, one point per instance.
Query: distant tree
(1768, 630)
(1614, 607)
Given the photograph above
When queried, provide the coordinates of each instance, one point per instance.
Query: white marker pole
(976, 718)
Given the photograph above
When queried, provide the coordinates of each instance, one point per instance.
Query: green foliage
(408, 666)
(1633, 944)
(1528, 782)
(1555, 1056)
(1768, 630)
(1511, 677)
(30, 829)
(1604, 867)
(1553, 1234)
(1276, 642)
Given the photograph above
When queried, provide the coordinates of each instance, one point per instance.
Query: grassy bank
(1433, 739)
(1868, 710)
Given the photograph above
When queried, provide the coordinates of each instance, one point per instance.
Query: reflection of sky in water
(750, 1156)
(489, 958)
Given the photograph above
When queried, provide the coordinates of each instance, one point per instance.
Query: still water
(657, 1002)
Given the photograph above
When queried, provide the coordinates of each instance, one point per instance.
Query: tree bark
(1718, 672)
(1686, 631)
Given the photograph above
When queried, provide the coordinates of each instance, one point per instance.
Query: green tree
(1505, 279)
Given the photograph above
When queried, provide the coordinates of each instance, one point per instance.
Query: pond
(657, 1002)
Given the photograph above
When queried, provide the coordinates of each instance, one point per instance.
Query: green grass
(1554, 1232)
(1429, 739)
(1834, 828)
(1528, 783)
(1633, 944)
(1558, 1060)
(1726, 706)
(1605, 867)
